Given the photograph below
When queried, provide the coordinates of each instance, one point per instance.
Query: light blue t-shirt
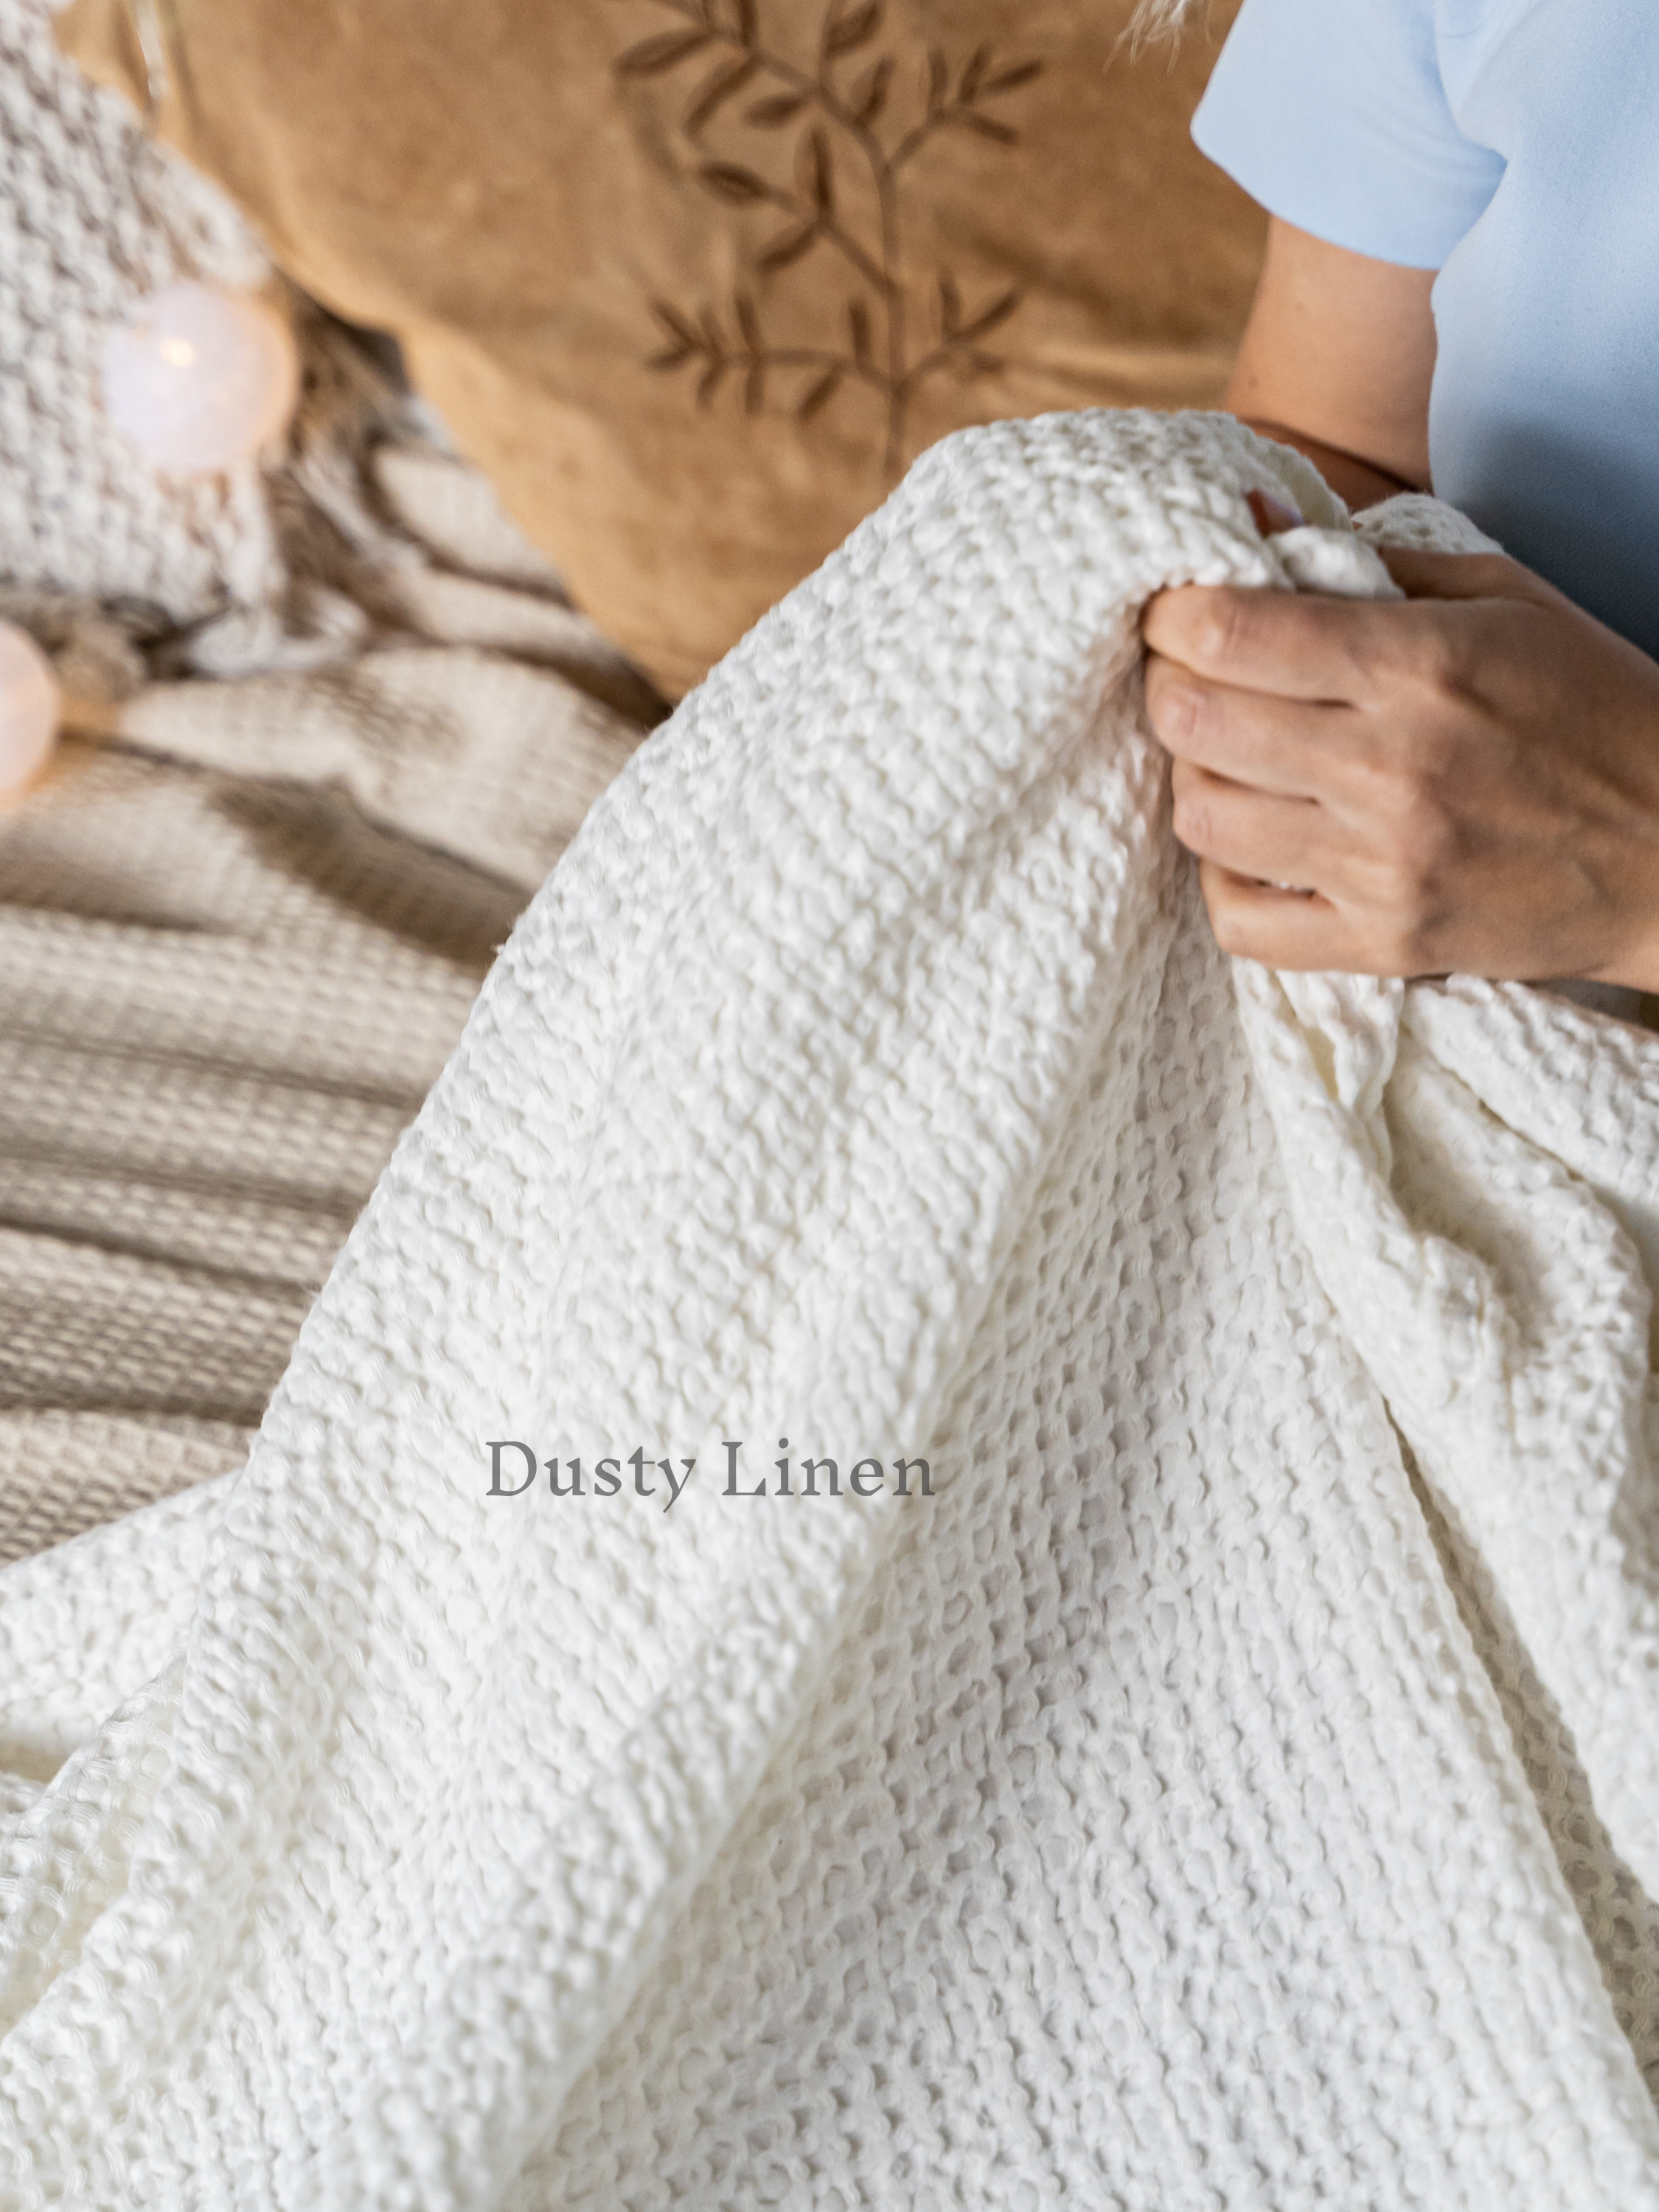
(1513, 145)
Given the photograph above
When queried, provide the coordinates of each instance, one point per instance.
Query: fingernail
(1273, 514)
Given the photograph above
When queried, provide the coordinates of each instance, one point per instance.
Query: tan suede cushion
(693, 279)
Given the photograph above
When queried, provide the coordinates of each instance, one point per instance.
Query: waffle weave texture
(1234, 1788)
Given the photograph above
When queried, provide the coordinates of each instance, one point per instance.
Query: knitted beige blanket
(348, 724)
(237, 942)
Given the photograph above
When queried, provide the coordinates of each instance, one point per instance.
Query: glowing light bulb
(200, 378)
(31, 707)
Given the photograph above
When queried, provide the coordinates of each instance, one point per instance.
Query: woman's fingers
(1255, 833)
(1292, 645)
(1313, 741)
(1285, 745)
(1468, 778)
(1292, 930)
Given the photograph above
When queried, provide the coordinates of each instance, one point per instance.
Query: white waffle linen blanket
(1236, 1786)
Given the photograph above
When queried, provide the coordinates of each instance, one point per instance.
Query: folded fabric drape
(1230, 1780)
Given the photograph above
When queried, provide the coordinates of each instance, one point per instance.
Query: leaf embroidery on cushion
(833, 110)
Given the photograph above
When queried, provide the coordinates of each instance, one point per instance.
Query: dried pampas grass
(1159, 19)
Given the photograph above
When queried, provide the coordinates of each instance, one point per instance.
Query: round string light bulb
(31, 708)
(201, 377)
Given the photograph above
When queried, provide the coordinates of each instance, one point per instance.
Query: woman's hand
(1467, 781)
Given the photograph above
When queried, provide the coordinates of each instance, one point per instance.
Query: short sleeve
(1332, 114)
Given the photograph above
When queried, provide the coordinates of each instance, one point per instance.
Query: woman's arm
(1336, 360)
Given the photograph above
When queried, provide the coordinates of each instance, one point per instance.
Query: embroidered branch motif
(839, 112)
